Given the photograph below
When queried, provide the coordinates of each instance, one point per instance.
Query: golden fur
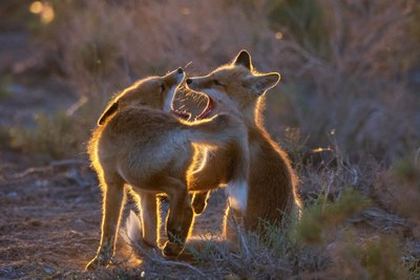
(140, 145)
(239, 89)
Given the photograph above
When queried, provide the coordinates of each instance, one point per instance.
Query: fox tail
(132, 229)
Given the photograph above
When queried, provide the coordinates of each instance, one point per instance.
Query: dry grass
(53, 137)
(349, 83)
(346, 67)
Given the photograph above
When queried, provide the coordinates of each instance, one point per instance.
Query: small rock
(41, 183)
(49, 270)
(12, 195)
(232, 276)
(35, 223)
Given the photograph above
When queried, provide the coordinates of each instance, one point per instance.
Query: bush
(55, 136)
(344, 63)
(305, 21)
(323, 217)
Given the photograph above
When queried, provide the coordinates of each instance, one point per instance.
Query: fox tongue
(207, 111)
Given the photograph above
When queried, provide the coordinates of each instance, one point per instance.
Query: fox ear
(243, 58)
(111, 109)
(261, 83)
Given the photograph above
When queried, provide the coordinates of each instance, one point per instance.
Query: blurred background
(350, 69)
(350, 85)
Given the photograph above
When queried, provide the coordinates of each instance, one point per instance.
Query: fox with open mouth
(238, 89)
(140, 144)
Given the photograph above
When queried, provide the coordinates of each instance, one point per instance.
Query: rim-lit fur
(139, 145)
(239, 89)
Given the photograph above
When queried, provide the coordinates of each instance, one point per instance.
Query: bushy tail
(133, 228)
(227, 131)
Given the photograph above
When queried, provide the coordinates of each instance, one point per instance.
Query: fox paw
(171, 249)
(97, 261)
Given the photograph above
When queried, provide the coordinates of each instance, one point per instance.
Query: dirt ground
(50, 210)
(50, 220)
(50, 215)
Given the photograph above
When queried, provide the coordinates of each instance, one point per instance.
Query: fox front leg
(102, 258)
(180, 217)
(149, 219)
(199, 202)
(111, 212)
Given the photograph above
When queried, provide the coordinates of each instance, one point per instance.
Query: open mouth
(208, 110)
(181, 114)
(206, 113)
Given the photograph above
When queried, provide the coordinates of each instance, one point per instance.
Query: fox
(238, 88)
(139, 144)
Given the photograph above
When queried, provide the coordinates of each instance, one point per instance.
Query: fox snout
(200, 83)
(194, 84)
(175, 77)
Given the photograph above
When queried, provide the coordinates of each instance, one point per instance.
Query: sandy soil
(51, 210)
(49, 225)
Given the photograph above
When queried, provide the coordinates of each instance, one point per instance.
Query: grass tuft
(323, 216)
(55, 136)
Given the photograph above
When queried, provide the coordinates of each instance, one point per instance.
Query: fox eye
(217, 83)
(162, 88)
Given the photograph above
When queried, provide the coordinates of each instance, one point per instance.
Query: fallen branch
(50, 167)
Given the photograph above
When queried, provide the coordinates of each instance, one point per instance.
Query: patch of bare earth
(49, 221)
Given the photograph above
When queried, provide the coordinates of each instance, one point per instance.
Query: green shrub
(382, 259)
(324, 215)
(379, 257)
(55, 136)
(5, 82)
(305, 20)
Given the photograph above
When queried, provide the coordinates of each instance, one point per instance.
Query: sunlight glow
(185, 11)
(278, 35)
(36, 7)
(44, 10)
(318, 150)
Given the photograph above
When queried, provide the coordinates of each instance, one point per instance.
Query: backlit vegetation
(350, 85)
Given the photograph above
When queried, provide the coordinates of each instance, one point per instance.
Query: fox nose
(180, 70)
(189, 81)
